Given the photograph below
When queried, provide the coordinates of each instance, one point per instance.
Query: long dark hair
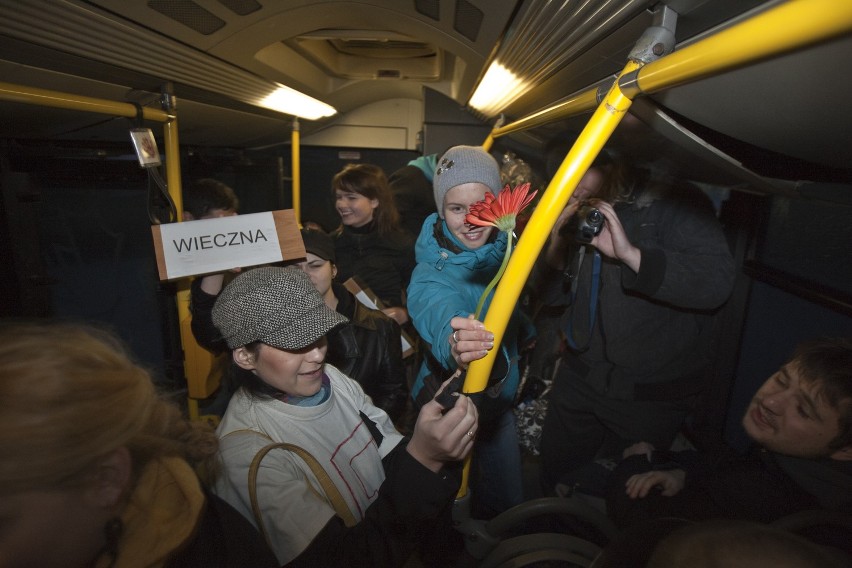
(371, 182)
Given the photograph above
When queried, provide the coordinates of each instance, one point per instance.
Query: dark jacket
(652, 328)
(369, 350)
(413, 502)
(382, 263)
(201, 308)
(413, 196)
(224, 539)
(759, 486)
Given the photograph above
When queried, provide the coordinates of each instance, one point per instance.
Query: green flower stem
(497, 276)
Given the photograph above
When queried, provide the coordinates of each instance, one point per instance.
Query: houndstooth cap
(277, 306)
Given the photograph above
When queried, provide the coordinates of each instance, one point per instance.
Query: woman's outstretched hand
(469, 340)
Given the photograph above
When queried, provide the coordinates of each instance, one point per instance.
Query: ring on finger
(470, 433)
(455, 336)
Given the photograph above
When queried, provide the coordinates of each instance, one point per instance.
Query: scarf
(161, 516)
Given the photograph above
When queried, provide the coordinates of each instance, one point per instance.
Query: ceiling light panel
(546, 36)
(90, 33)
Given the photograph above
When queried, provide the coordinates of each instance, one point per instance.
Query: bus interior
(756, 118)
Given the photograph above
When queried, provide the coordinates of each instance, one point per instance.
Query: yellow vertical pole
(297, 187)
(588, 145)
(173, 181)
(172, 149)
(590, 142)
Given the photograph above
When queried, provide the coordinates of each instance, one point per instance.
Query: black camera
(586, 223)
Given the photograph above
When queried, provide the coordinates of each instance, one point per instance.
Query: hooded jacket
(447, 284)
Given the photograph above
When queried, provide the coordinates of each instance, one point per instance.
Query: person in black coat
(640, 297)
(411, 186)
(370, 243)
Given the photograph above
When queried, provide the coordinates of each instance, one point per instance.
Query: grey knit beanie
(277, 306)
(464, 164)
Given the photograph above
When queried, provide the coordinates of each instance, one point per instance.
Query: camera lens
(595, 217)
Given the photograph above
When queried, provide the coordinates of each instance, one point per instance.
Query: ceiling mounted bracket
(658, 39)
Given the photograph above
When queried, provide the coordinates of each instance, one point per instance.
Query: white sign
(223, 243)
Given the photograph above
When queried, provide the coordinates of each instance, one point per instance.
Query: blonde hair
(70, 395)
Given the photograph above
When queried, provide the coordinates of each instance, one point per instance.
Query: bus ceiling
(768, 124)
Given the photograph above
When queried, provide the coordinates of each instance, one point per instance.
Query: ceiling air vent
(468, 19)
(429, 8)
(369, 54)
(241, 7)
(189, 14)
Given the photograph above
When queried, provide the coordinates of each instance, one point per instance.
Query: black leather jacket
(367, 349)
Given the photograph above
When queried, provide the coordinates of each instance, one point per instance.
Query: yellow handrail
(793, 25)
(804, 22)
(57, 99)
(590, 142)
(198, 362)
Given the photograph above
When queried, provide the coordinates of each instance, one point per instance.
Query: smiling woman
(346, 473)
(455, 263)
(370, 243)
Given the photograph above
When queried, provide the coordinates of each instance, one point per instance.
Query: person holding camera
(640, 264)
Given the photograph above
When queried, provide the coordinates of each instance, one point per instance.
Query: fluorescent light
(543, 40)
(290, 101)
(497, 89)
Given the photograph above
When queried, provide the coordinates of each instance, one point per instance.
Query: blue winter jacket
(445, 285)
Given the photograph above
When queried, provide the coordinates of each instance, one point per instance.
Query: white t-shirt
(291, 501)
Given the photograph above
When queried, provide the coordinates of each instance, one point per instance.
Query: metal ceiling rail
(56, 99)
(804, 22)
(196, 368)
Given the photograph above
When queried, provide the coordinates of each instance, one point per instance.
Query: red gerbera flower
(501, 212)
